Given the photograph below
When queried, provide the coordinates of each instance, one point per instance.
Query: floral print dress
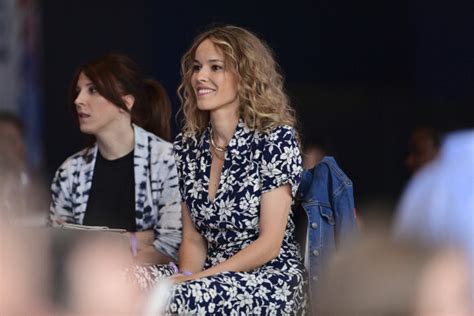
(255, 163)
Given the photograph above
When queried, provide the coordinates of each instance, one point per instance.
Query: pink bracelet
(176, 270)
(174, 267)
(133, 243)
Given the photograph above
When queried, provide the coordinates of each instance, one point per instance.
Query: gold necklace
(221, 149)
(216, 154)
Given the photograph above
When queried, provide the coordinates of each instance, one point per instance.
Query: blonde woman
(239, 166)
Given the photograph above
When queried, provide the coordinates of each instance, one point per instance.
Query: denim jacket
(325, 194)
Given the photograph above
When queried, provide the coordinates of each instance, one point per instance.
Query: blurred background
(361, 74)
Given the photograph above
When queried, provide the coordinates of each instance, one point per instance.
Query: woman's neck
(223, 127)
(116, 144)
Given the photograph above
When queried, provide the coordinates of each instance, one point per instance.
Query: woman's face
(214, 85)
(95, 113)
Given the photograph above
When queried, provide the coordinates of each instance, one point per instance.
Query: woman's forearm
(145, 250)
(192, 255)
(275, 206)
(148, 254)
(193, 248)
(253, 256)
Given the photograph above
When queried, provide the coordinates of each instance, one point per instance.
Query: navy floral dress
(255, 163)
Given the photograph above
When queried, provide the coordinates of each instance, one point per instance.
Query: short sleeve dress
(255, 163)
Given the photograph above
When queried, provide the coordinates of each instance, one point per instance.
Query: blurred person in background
(423, 146)
(23, 271)
(444, 288)
(437, 206)
(94, 282)
(126, 178)
(314, 150)
(377, 277)
(25, 188)
(11, 189)
(11, 140)
(312, 155)
(13, 167)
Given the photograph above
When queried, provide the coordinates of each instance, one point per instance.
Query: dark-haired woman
(127, 178)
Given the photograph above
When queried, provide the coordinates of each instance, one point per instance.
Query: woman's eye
(196, 68)
(92, 90)
(216, 67)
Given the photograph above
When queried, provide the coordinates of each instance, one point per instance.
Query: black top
(112, 197)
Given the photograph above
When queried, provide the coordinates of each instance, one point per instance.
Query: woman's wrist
(133, 243)
(177, 271)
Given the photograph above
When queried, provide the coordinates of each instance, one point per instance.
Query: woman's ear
(129, 101)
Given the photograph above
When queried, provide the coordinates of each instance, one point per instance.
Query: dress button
(315, 253)
(314, 225)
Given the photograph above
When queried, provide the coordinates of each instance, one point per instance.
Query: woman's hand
(144, 239)
(180, 277)
(145, 250)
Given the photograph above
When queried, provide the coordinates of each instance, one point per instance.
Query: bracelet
(176, 270)
(174, 267)
(133, 243)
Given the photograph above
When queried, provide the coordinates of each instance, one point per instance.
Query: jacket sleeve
(346, 222)
(168, 229)
(61, 207)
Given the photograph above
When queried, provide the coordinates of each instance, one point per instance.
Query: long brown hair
(116, 75)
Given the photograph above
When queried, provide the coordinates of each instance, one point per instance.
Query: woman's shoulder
(277, 133)
(282, 129)
(76, 160)
(146, 140)
(183, 142)
(279, 142)
(143, 135)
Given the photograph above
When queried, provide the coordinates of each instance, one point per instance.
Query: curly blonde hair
(263, 101)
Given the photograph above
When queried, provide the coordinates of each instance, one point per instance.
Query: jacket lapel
(141, 161)
(82, 190)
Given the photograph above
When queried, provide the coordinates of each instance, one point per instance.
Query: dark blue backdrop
(361, 74)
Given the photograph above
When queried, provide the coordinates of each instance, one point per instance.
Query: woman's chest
(237, 192)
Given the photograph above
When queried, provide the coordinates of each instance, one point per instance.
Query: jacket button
(315, 278)
(314, 225)
(315, 253)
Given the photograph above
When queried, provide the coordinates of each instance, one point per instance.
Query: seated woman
(127, 177)
(239, 165)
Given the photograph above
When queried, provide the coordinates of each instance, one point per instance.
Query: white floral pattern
(255, 163)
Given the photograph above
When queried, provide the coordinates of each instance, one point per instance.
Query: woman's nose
(202, 75)
(79, 99)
